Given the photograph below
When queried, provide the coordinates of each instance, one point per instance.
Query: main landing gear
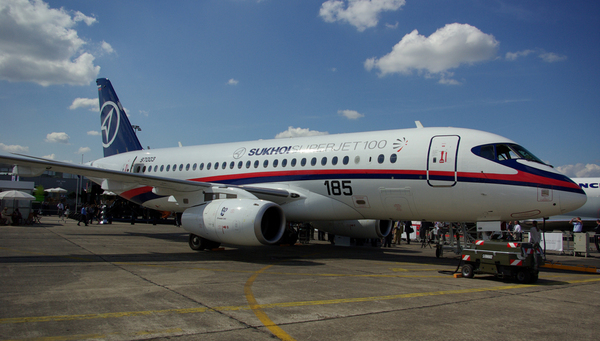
(198, 243)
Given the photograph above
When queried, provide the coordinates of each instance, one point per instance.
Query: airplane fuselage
(440, 174)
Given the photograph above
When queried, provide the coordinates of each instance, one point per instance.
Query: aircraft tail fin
(117, 133)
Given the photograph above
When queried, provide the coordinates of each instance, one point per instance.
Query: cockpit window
(505, 151)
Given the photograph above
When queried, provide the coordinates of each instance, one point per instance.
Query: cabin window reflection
(256, 163)
(334, 160)
(174, 167)
(323, 161)
(168, 168)
(162, 167)
(194, 166)
(208, 166)
(283, 162)
(202, 166)
(232, 164)
(240, 164)
(266, 164)
(155, 169)
(275, 163)
(488, 152)
(380, 158)
(313, 161)
(303, 162)
(293, 164)
(346, 160)
(393, 158)
(248, 163)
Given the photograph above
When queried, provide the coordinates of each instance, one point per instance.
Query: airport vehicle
(502, 259)
(354, 185)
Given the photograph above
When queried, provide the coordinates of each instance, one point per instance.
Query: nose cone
(570, 201)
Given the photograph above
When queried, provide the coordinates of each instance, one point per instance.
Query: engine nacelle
(366, 228)
(236, 221)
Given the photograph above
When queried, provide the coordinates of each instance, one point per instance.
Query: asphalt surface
(60, 281)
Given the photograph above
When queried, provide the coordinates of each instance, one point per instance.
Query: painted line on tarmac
(153, 333)
(258, 310)
(13, 320)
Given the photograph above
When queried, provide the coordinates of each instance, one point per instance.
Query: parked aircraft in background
(355, 185)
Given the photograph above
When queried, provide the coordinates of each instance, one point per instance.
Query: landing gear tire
(523, 277)
(195, 242)
(467, 271)
(198, 243)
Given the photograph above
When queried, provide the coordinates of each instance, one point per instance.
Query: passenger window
(194, 166)
(256, 163)
(202, 166)
(380, 158)
(266, 163)
(187, 167)
(334, 160)
(155, 169)
(357, 159)
(144, 169)
(275, 163)
(208, 166)
(174, 167)
(283, 162)
(232, 164)
(303, 162)
(293, 164)
(162, 167)
(168, 168)
(346, 160)
(224, 165)
(248, 163)
(393, 158)
(240, 164)
(313, 161)
(323, 161)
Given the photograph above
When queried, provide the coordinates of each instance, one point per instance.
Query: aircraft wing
(32, 166)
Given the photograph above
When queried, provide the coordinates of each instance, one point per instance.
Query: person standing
(577, 225)
(517, 231)
(399, 232)
(408, 229)
(83, 216)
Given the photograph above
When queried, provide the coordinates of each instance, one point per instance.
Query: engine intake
(236, 221)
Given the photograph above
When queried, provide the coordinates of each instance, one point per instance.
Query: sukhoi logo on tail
(110, 128)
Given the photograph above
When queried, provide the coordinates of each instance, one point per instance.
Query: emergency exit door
(442, 161)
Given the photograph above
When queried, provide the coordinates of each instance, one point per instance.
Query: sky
(213, 71)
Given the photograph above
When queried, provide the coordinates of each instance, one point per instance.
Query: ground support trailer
(502, 259)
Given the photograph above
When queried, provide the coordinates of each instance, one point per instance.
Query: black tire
(523, 276)
(195, 242)
(467, 271)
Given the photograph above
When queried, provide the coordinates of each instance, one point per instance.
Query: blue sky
(200, 72)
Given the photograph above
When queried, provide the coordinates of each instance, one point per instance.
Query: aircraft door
(442, 160)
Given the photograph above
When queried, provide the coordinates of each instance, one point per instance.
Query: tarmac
(60, 281)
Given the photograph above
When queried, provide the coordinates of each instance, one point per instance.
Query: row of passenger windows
(240, 164)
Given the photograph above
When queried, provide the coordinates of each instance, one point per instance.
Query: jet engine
(236, 221)
(366, 228)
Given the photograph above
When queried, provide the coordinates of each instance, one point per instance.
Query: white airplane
(355, 185)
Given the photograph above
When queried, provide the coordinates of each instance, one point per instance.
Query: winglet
(117, 134)
(418, 123)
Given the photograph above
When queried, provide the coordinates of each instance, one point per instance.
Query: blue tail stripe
(117, 134)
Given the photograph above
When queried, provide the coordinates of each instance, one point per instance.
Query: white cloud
(107, 48)
(93, 133)
(514, 55)
(361, 14)
(57, 138)
(351, 114)
(50, 157)
(13, 148)
(550, 57)
(38, 44)
(91, 103)
(445, 49)
(299, 132)
(233, 82)
(83, 150)
(580, 170)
